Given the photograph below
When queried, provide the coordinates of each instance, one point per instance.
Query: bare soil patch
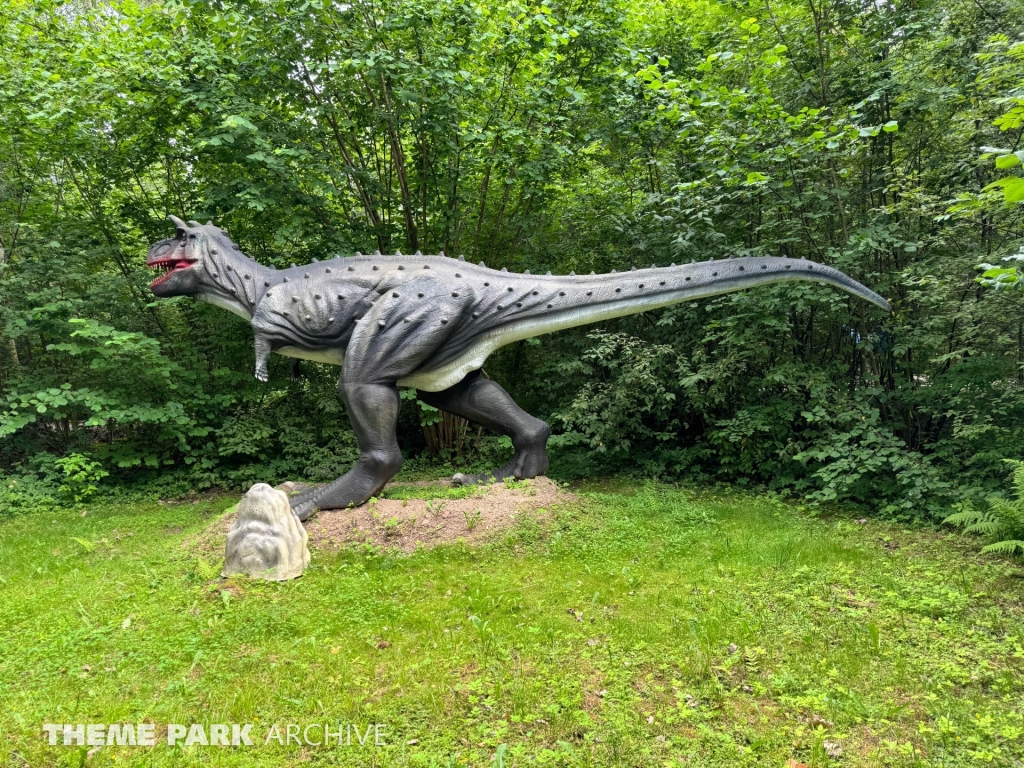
(407, 524)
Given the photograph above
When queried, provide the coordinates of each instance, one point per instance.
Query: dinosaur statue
(429, 322)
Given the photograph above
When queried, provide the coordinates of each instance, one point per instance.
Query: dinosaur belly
(329, 356)
(428, 381)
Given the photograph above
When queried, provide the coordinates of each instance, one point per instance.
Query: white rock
(267, 540)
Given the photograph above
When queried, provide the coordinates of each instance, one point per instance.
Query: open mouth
(168, 265)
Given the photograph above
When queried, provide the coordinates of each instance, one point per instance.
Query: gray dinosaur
(430, 322)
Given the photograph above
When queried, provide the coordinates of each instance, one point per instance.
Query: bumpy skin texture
(430, 322)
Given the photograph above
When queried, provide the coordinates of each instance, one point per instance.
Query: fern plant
(1002, 522)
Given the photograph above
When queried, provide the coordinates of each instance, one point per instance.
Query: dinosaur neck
(231, 280)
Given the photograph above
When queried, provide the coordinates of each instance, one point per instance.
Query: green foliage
(429, 492)
(87, 546)
(472, 518)
(80, 476)
(205, 571)
(34, 486)
(1001, 520)
(533, 135)
(1005, 69)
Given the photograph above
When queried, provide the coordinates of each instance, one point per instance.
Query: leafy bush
(588, 136)
(33, 486)
(80, 476)
(1001, 520)
(651, 403)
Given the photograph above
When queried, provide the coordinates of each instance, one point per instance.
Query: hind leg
(484, 402)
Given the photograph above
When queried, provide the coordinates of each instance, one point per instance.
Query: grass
(400, 491)
(646, 626)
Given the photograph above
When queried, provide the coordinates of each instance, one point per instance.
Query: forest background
(877, 136)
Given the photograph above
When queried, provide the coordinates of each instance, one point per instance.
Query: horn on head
(181, 225)
(194, 223)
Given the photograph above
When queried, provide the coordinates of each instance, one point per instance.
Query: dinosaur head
(187, 259)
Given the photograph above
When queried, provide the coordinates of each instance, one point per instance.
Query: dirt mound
(411, 515)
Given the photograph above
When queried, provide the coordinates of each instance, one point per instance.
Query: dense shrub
(549, 136)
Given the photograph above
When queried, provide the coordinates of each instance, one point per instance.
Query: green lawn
(648, 626)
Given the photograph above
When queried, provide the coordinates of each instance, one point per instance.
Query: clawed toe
(302, 509)
(522, 467)
(485, 478)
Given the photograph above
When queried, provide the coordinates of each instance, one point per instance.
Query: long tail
(569, 301)
(626, 293)
(539, 304)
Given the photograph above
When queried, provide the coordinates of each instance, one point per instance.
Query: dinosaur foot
(303, 509)
(297, 492)
(484, 478)
(366, 479)
(527, 462)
